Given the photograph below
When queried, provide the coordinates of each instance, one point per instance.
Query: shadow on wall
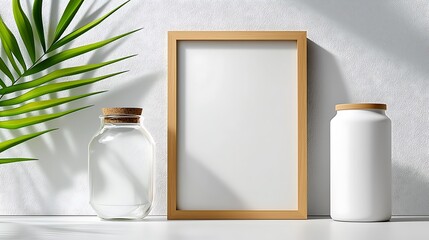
(54, 17)
(412, 187)
(383, 25)
(325, 90)
(91, 15)
(202, 189)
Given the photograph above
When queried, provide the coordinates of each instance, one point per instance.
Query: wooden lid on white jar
(356, 106)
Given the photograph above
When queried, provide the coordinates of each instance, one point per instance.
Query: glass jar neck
(121, 119)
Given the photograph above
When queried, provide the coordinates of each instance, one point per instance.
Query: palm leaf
(10, 57)
(73, 35)
(9, 52)
(2, 83)
(11, 160)
(15, 141)
(52, 88)
(22, 103)
(24, 28)
(34, 106)
(58, 74)
(38, 22)
(5, 70)
(67, 17)
(71, 53)
(28, 121)
(11, 45)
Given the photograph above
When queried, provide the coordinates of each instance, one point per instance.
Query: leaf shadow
(54, 18)
(88, 16)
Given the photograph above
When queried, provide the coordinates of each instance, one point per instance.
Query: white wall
(357, 51)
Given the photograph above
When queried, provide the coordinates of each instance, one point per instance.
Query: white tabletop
(90, 227)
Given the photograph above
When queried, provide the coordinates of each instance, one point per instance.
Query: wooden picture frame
(219, 81)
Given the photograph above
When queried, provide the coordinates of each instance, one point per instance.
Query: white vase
(361, 163)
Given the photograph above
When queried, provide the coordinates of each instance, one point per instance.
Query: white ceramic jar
(361, 163)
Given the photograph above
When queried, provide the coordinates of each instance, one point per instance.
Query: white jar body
(121, 171)
(361, 166)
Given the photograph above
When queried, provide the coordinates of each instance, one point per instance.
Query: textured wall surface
(357, 51)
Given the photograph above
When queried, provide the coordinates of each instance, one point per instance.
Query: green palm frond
(71, 53)
(82, 30)
(6, 70)
(66, 72)
(13, 142)
(34, 106)
(28, 121)
(24, 28)
(2, 83)
(38, 22)
(52, 88)
(12, 160)
(20, 88)
(67, 17)
(11, 47)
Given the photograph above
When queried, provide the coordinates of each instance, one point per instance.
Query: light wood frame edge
(173, 38)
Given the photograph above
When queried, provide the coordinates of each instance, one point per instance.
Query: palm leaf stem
(22, 74)
(36, 62)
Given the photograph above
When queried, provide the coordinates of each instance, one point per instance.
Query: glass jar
(361, 163)
(121, 166)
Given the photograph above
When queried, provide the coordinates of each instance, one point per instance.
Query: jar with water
(121, 166)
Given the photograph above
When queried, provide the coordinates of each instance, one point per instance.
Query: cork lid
(351, 106)
(122, 115)
(122, 111)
